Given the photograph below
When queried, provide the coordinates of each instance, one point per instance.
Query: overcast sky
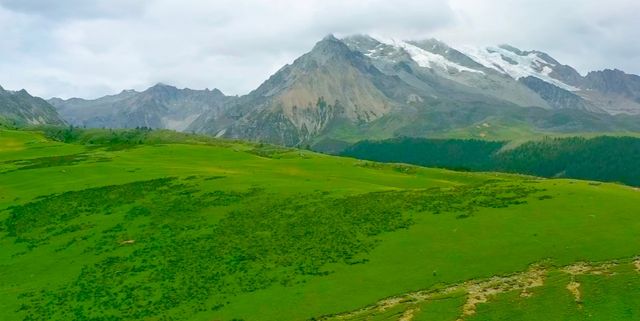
(90, 48)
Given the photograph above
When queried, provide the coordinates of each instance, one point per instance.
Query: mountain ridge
(425, 70)
(361, 86)
(159, 106)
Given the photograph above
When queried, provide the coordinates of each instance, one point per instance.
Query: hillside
(159, 225)
(601, 158)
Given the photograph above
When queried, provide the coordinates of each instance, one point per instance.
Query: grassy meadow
(165, 226)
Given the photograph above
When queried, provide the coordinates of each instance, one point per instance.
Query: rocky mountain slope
(328, 86)
(161, 106)
(20, 108)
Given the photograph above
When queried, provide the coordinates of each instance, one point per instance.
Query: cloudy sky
(82, 48)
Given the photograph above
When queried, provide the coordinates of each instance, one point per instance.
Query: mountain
(610, 91)
(20, 108)
(161, 106)
(525, 78)
(442, 70)
(363, 87)
(325, 87)
(341, 87)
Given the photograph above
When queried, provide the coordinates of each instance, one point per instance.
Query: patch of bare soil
(481, 292)
(637, 264)
(574, 288)
(408, 315)
(388, 303)
(583, 268)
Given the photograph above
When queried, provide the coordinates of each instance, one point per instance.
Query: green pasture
(177, 227)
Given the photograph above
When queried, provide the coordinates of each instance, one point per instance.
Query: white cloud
(91, 48)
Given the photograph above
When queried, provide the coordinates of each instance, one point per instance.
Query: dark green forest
(609, 159)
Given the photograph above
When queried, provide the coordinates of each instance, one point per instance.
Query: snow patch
(37, 121)
(380, 51)
(220, 133)
(498, 58)
(425, 58)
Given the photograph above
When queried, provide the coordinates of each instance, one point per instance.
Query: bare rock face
(614, 90)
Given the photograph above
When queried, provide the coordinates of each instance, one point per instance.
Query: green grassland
(139, 225)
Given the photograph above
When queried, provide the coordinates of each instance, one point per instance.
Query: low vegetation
(145, 225)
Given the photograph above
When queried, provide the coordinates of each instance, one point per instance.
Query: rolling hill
(159, 225)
